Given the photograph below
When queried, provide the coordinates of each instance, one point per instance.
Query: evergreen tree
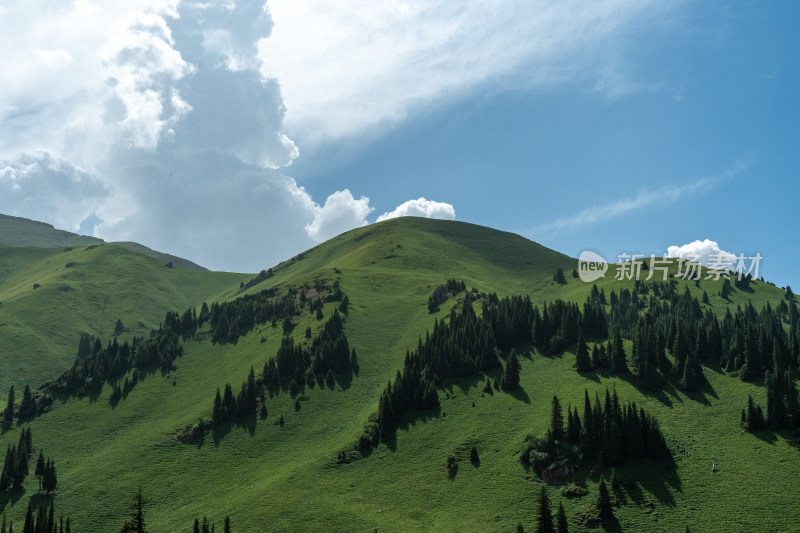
(544, 522)
(39, 472)
(557, 420)
(620, 365)
(582, 360)
(135, 522)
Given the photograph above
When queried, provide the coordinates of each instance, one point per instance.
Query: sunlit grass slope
(273, 478)
(85, 289)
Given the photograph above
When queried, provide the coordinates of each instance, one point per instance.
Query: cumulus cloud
(169, 121)
(705, 252)
(421, 208)
(340, 213)
(44, 186)
(165, 129)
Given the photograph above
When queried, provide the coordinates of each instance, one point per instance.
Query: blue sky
(718, 100)
(238, 135)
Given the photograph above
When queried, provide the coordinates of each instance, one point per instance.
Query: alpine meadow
(321, 442)
(504, 266)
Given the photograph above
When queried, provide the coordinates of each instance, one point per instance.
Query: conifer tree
(39, 472)
(135, 522)
(544, 523)
(582, 360)
(619, 363)
(557, 420)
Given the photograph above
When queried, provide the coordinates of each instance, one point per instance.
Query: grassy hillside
(16, 231)
(50, 295)
(269, 477)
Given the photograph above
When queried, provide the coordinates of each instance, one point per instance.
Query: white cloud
(421, 208)
(645, 198)
(53, 59)
(165, 135)
(705, 252)
(351, 65)
(44, 186)
(340, 213)
(168, 120)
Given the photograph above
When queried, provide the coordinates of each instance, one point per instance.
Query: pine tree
(582, 360)
(39, 472)
(135, 522)
(557, 420)
(544, 522)
(619, 363)
(604, 509)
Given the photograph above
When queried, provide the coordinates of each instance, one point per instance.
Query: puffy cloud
(705, 252)
(44, 186)
(164, 127)
(421, 208)
(141, 67)
(340, 213)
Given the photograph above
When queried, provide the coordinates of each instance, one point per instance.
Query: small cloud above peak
(421, 208)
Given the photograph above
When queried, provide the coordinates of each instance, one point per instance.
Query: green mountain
(55, 285)
(307, 473)
(16, 231)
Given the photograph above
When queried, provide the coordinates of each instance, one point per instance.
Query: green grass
(269, 478)
(39, 327)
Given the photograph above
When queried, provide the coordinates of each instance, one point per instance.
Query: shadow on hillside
(611, 524)
(410, 418)
(591, 375)
(519, 394)
(766, 435)
(219, 431)
(659, 483)
(12, 497)
(452, 472)
(41, 498)
(663, 391)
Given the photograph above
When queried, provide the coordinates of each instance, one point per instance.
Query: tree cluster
(43, 520)
(293, 366)
(15, 467)
(609, 431)
(442, 292)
